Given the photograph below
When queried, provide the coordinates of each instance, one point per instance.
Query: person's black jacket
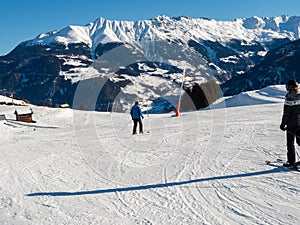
(291, 110)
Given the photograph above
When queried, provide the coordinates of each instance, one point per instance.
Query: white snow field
(205, 167)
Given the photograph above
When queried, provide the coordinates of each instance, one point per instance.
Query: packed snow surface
(204, 167)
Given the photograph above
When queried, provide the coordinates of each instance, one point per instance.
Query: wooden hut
(25, 117)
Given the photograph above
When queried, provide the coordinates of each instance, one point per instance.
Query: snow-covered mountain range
(118, 62)
(102, 31)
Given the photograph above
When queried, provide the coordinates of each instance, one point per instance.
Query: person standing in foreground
(137, 116)
(291, 120)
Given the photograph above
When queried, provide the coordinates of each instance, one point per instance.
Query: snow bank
(268, 95)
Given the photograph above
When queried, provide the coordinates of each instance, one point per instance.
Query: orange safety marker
(177, 113)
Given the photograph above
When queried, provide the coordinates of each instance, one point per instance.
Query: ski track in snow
(206, 167)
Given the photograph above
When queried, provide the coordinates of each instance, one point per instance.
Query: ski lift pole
(180, 96)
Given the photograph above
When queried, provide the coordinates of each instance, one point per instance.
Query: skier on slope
(291, 120)
(137, 116)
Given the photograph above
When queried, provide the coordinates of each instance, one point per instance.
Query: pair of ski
(279, 163)
(146, 132)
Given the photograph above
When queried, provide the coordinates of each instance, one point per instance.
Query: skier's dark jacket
(291, 110)
(136, 112)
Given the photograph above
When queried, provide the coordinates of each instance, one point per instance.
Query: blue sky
(22, 20)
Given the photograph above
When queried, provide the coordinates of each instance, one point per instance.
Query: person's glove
(282, 127)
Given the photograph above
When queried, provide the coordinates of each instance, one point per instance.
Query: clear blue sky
(22, 20)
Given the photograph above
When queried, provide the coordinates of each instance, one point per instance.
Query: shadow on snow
(156, 186)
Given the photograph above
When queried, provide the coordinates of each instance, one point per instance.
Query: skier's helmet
(291, 84)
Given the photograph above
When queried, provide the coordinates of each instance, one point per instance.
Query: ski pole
(125, 125)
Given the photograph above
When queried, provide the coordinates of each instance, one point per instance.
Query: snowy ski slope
(206, 167)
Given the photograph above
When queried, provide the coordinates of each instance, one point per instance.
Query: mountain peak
(161, 17)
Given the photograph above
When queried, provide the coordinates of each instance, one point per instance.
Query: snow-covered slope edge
(269, 95)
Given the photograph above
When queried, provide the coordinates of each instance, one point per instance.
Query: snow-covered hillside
(205, 167)
(268, 95)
